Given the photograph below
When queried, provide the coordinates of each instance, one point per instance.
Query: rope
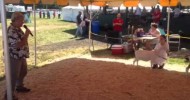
(179, 36)
(121, 38)
(106, 36)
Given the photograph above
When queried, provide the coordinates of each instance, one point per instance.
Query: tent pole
(6, 51)
(89, 32)
(35, 49)
(168, 23)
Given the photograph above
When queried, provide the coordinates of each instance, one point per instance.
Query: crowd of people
(49, 14)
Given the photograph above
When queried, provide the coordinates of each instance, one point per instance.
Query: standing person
(143, 20)
(161, 53)
(156, 16)
(177, 12)
(18, 52)
(48, 14)
(59, 14)
(54, 13)
(84, 24)
(40, 14)
(78, 22)
(28, 14)
(138, 11)
(118, 26)
(44, 14)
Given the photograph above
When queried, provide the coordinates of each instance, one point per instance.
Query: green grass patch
(179, 61)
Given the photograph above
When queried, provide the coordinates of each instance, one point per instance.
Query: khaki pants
(18, 72)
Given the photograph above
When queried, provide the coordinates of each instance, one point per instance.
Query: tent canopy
(112, 3)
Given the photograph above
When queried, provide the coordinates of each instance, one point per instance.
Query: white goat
(144, 55)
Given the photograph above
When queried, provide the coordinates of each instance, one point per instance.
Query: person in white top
(176, 12)
(154, 31)
(138, 11)
(160, 53)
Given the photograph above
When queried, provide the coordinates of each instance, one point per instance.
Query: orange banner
(168, 2)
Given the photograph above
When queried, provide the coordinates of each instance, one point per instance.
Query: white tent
(70, 12)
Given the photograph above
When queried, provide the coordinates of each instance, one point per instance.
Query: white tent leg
(35, 48)
(6, 51)
(89, 32)
(168, 23)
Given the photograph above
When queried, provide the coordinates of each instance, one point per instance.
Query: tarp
(12, 1)
(115, 3)
(168, 2)
(185, 2)
(31, 1)
(131, 3)
(148, 2)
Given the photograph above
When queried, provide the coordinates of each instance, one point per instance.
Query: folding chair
(174, 41)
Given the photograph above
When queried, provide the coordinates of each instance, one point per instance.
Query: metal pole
(89, 32)
(6, 51)
(35, 48)
(168, 23)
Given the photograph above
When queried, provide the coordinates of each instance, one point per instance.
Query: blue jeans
(78, 31)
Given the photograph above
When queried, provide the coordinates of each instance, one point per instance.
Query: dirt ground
(92, 79)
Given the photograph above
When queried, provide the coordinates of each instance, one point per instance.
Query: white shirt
(155, 33)
(138, 11)
(160, 53)
(176, 12)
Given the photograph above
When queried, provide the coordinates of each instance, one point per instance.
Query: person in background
(177, 12)
(40, 14)
(26, 19)
(118, 26)
(84, 25)
(138, 11)
(156, 16)
(48, 14)
(44, 14)
(139, 32)
(54, 13)
(18, 52)
(59, 14)
(28, 14)
(161, 53)
(154, 31)
(78, 22)
(143, 19)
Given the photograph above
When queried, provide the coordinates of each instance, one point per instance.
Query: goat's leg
(187, 68)
(134, 61)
